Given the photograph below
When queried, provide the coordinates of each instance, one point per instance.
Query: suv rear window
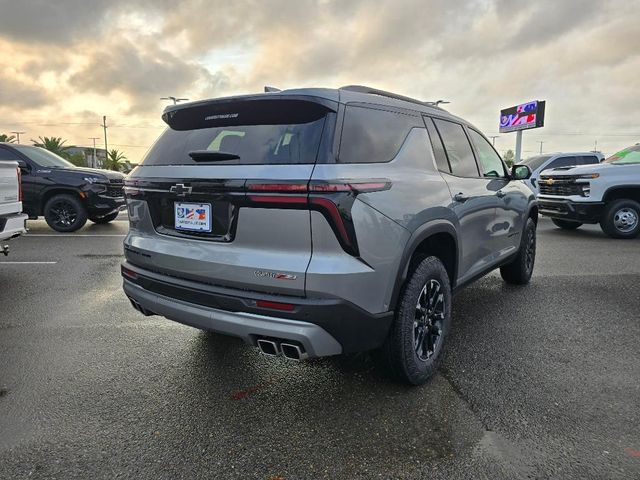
(373, 136)
(258, 132)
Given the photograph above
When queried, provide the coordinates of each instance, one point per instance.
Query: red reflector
(277, 199)
(287, 307)
(129, 273)
(278, 187)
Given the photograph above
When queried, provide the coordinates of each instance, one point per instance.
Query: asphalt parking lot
(540, 381)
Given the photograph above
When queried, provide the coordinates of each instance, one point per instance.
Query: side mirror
(520, 172)
(24, 166)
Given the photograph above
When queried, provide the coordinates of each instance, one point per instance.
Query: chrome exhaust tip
(268, 347)
(292, 352)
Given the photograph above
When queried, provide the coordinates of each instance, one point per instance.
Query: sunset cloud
(67, 63)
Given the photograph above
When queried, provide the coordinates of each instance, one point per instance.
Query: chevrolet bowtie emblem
(180, 190)
(550, 181)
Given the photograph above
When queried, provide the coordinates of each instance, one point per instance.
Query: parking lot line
(72, 235)
(27, 263)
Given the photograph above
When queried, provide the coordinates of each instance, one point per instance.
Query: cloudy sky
(65, 63)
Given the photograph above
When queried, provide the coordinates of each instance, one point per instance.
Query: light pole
(17, 134)
(493, 139)
(95, 154)
(174, 99)
(540, 146)
(104, 125)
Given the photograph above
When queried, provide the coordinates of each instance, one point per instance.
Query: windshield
(628, 156)
(536, 162)
(44, 158)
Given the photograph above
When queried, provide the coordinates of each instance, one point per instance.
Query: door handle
(500, 194)
(460, 197)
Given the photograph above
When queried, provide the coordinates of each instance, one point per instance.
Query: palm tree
(114, 161)
(53, 144)
(7, 138)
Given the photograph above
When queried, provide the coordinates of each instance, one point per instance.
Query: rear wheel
(566, 224)
(105, 219)
(65, 213)
(519, 271)
(621, 219)
(415, 345)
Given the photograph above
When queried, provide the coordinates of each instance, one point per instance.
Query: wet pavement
(540, 381)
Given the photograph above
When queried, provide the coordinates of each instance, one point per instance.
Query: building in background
(88, 153)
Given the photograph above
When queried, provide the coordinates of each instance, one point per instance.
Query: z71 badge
(274, 275)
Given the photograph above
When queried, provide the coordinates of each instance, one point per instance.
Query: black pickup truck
(64, 194)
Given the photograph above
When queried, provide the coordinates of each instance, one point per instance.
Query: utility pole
(104, 125)
(595, 146)
(17, 134)
(493, 139)
(540, 146)
(95, 153)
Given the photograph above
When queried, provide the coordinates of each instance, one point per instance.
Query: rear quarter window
(373, 136)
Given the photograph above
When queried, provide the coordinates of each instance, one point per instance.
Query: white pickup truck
(607, 193)
(12, 220)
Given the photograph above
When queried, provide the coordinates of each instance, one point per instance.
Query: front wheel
(566, 224)
(520, 269)
(105, 219)
(621, 219)
(65, 213)
(415, 345)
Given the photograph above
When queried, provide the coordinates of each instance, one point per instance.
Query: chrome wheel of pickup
(625, 219)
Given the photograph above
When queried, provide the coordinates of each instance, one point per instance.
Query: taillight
(19, 172)
(333, 199)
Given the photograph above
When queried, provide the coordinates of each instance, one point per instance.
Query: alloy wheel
(429, 320)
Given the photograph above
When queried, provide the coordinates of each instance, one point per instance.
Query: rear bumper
(323, 326)
(584, 212)
(12, 226)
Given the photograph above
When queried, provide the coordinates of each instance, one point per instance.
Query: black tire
(65, 213)
(621, 219)
(520, 269)
(105, 219)
(419, 316)
(566, 224)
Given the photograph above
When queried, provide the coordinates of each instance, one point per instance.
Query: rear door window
(251, 133)
(373, 136)
(458, 148)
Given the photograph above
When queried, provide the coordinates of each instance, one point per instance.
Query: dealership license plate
(193, 217)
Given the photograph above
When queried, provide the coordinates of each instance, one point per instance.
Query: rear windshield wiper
(211, 156)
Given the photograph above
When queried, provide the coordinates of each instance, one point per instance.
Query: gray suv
(316, 222)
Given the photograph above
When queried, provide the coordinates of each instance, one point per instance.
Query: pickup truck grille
(560, 186)
(115, 188)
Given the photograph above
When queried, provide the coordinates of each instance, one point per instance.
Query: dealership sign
(522, 117)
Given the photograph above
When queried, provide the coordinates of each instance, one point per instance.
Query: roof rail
(375, 91)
